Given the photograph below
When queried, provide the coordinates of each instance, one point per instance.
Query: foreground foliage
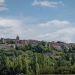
(38, 59)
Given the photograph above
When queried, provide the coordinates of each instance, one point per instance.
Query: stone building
(7, 43)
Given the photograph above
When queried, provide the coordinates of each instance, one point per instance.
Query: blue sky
(49, 20)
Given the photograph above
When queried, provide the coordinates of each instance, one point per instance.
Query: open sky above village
(49, 20)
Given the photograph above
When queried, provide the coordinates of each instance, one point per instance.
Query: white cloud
(2, 2)
(55, 30)
(12, 27)
(55, 23)
(3, 5)
(47, 3)
(9, 25)
(65, 34)
(8, 22)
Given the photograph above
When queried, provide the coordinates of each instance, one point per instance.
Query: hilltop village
(9, 43)
(12, 43)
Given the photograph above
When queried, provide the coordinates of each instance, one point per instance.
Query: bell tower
(17, 38)
(3, 40)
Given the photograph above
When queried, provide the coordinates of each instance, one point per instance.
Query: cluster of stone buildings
(12, 43)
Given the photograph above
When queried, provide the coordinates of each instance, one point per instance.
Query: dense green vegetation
(37, 59)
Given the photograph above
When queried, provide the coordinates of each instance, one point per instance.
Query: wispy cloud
(56, 23)
(56, 30)
(12, 27)
(3, 5)
(47, 3)
(64, 35)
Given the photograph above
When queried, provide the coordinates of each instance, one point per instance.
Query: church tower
(17, 38)
(3, 40)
